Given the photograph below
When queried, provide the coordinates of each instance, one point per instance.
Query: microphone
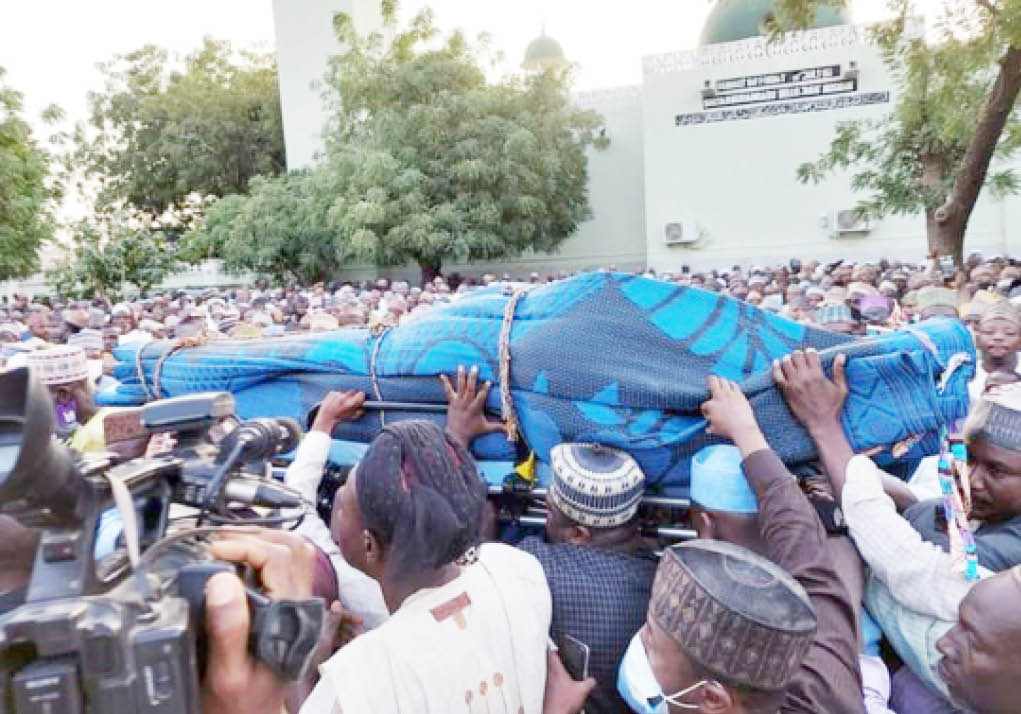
(260, 493)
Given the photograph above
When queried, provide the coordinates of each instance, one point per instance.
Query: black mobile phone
(575, 655)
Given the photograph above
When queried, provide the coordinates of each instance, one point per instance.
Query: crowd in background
(843, 590)
(842, 296)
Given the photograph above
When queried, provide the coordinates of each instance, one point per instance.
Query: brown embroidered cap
(737, 614)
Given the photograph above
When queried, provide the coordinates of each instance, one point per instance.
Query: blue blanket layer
(612, 358)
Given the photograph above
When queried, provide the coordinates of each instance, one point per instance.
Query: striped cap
(595, 485)
(831, 313)
(59, 365)
(997, 418)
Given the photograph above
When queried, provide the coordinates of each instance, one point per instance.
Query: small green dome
(543, 52)
(732, 20)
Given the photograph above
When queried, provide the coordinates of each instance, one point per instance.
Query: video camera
(125, 634)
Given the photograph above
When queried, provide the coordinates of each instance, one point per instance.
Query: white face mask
(637, 684)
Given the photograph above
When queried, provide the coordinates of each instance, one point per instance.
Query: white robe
(476, 644)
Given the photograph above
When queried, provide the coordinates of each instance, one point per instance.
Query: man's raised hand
(731, 416)
(466, 415)
(338, 407)
(815, 400)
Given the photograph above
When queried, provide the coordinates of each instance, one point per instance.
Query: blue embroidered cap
(595, 485)
(718, 482)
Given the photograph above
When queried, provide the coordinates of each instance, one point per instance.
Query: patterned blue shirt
(600, 597)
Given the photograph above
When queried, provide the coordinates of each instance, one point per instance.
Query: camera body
(112, 636)
(105, 653)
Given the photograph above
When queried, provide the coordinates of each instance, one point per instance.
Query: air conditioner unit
(847, 222)
(680, 233)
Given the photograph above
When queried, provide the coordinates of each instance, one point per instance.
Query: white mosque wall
(305, 41)
(729, 173)
(615, 235)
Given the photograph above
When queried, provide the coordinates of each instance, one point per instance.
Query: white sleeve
(875, 684)
(306, 471)
(918, 574)
(321, 700)
(358, 592)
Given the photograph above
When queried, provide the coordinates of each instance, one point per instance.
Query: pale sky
(50, 47)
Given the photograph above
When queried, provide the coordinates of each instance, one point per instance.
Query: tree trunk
(952, 217)
(941, 240)
(935, 170)
(431, 269)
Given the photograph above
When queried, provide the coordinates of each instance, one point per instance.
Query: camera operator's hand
(336, 408)
(466, 417)
(235, 682)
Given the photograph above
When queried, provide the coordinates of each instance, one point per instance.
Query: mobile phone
(575, 655)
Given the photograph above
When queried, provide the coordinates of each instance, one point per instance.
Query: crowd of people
(840, 296)
(842, 590)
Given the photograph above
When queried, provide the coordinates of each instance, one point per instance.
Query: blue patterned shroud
(609, 358)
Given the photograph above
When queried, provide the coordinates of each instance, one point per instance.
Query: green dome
(542, 52)
(732, 20)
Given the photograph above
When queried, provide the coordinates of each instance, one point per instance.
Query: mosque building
(701, 167)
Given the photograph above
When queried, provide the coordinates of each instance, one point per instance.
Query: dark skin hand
(338, 407)
(235, 683)
(731, 416)
(563, 694)
(466, 416)
(816, 402)
(340, 627)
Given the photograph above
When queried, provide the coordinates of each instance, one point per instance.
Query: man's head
(936, 302)
(981, 658)
(593, 495)
(65, 372)
(999, 331)
(413, 504)
(726, 632)
(122, 318)
(837, 317)
(723, 505)
(875, 308)
(38, 324)
(993, 430)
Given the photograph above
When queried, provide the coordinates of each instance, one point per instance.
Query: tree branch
(988, 5)
(975, 164)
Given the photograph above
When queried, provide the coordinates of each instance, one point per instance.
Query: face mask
(66, 413)
(637, 684)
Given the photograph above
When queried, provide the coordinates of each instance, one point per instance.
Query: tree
(460, 168)
(26, 193)
(280, 229)
(429, 161)
(163, 129)
(111, 253)
(957, 112)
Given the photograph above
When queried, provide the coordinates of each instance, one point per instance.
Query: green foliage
(280, 229)
(26, 194)
(427, 161)
(910, 160)
(457, 168)
(110, 255)
(164, 129)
